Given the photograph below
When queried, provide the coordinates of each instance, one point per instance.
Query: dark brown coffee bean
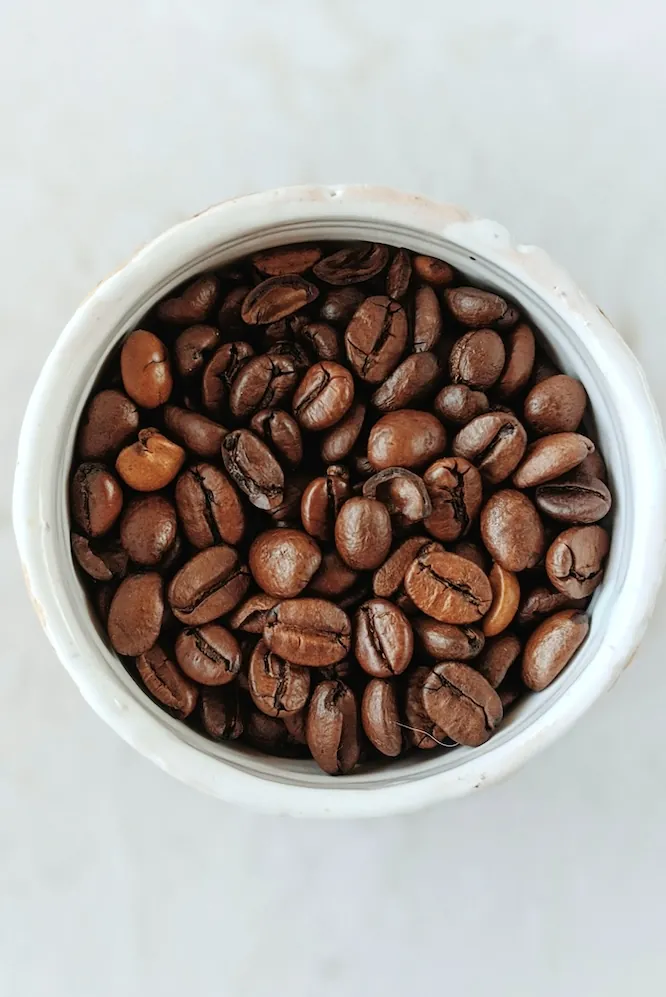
(135, 616)
(295, 725)
(321, 338)
(220, 373)
(151, 463)
(283, 561)
(252, 467)
(574, 501)
(498, 656)
(277, 297)
(387, 579)
(193, 347)
(332, 728)
(291, 351)
(197, 433)
(446, 642)
(383, 638)
(262, 382)
(506, 598)
(494, 442)
(473, 553)
(229, 317)
(286, 260)
(575, 560)
(339, 441)
(276, 686)
(399, 275)
(166, 683)
(551, 647)
(288, 513)
(459, 404)
(148, 529)
(209, 507)
(210, 654)
(376, 337)
(363, 533)
(322, 500)
(556, 405)
(281, 431)
(96, 499)
(433, 271)
(173, 558)
(324, 396)
(193, 303)
(427, 326)
(512, 530)
(420, 731)
(477, 358)
(145, 369)
(407, 438)
(403, 493)
(209, 585)
(340, 304)
(380, 717)
(412, 379)
(462, 703)
(101, 564)
(352, 265)
(592, 467)
(333, 578)
(251, 614)
(447, 587)
(109, 422)
(476, 308)
(268, 734)
(520, 349)
(551, 457)
(311, 632)
(542, 602)
(221, 713)
(456, 492)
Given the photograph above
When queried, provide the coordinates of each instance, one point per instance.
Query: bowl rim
(363, 203)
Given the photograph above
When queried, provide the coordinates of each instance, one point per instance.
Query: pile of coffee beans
(334, 501)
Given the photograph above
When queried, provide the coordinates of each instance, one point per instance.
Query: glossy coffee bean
(520, 351)
(209, 654)
(281, 432)
(477, 359)
(556, 405)
(145, 369)
(376, 338)
(447, 587)
(551, 647)
(262, 382)
(220, 373)
(383, 638)
(253, 468)
(96, 499)
(102, 564)
(512, 530)
(193, 347)
(506, 599)
(340, 440)
(388, 579)
(332, 728)
(543, 601)
(283, 561)
(409, 382)
(277, 686)
(462, 703)
(352, 265)
(194, 431)
(251, 615)
(456, 492)
(229, 317)
(322, 500)
(148, 529)
(399, 274)
(135, 615)
(459, 404)
(551, 457)
(151, 463)
(494, 442)
(110, 421)
(575, 560)
(193, 304)
(333, 578)
(286, 260)
(321, 339)
(363, 533)
(403, 493)
(292, 352)
(295, 726)
(407, 438)
(209, 585)
(574, 501)
(447, 642)
(166, 683)
(288, 513)
(380, 717)
(311, 632)
(499, 654)
(427, 320)
(420, 729)
(340, 304)
(277, 297)
(324, 396)
(477, 309)
(472, 552)
(433, 271)
(221, 713)
(209, 507)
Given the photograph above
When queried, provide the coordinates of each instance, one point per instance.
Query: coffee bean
(352, 265)
(281, 431)
(447, 642)
(283, 561)
(333, 578)
(209, 654)
(499, 654)
(551, 647)
(145, 369)
(209, 585)
(148, 529)
(462, 703)
(447, 587)
(229, 317)
(262, 382)
(403, 493)
(472, 552)
(407, 438)
(135, 615)
(252, 467)
(221, 713)
(193, 347)
(375, 338)
(276, 686)
(96, 499)
(543, 601)
(110, 421)
(477, 359)
(512, 530)
(193, 304)
(387, 579)
(421, 731)
(268, 734)
(209, 507)
(321, 338)
(311, 632)
(399, 275)
(363, 533)
(427, 325)
(380, 717)
(286, 260)
(494, 442)
(332, 728)
(433, 271)
(340, 304)
(383, 638)
(574, 501)
(277, 297)
(476, 308)
(339, 441)
(251, 615)
(324, 396)
(196, 433)
(506, 598)
(295, 725)
(592, 467)
(520, 350)
(220, 373)
(151, 463)
(101, 564)
(556, 405)
(322, 500)
(575, 560)
(456, 492)
(166, 683)
(288, 513)
(551, 457)
(412, 379)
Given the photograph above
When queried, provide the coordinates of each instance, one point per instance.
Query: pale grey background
(117, 120)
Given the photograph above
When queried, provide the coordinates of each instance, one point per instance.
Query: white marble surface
(117, 120)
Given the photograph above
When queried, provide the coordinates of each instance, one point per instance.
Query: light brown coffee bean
(151, 463)
(459, 404)
(102, 565)
(520, 351)
(551, 647)
(574, 501)
(332, 728)
(324, 396)
(456, 492)
(209, 654)
(110, 421)
(421, 731)
(96, 499)
(506, 598)
(166, 682)
(353, 264)
(575, 560)
(551, 457)
(339, 441)
(476, 308)
(448, 588)
(512, 530)
(376, 337)
(277, 297)
(145, 369)
(136, 612)
(427, 324)
(407, 438)
(148, 529)
(363, 533)
(322, 500)
(411, 380)
(447, 642)
(433, 271)
(286, 260)
(209, 585)
(193, 348)
(283, 561)
(494, 442)
(462, 703)
(556, 405)
(311, 632)
(383, 638)
(477, 359)
(387, 579)
(254, 469)
(277, 687)
(380, 717)
(197, 433)
(499, 654)
(193, 303)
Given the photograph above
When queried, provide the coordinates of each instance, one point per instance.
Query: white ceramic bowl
(584, 343)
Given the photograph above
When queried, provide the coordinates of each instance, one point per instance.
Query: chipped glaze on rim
(584, 343)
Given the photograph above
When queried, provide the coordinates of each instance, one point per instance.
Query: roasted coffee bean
(295, 725)
(575, 560)
(376, 337)
(96, 499)
(512, 530)
(193, 303)
(262, 382)
(324, 396)
(506, 598)
(196, 433)
(520, 349)
(288, 513)
(151, 463)
(101, 564)
(427, 323)
(286, 260)
(110, 421)
(412, 379)
(421, 731)
(209, 585)
(472, 552)
(221, 713)
(362, 466)
(193, 347)
(322, 500)
(363, 533)
(210, 654)
(220, 373)
(380, 717)
(383, 638)
(135, 616)
(494, 442)
(407, 438)
(447, 587)
(250, 616)
(388, 579)
(145, 369)
(399, 275)
(291, 351)
(498, 656)
(340, 304)
(551, 457)
(476, 308)
(148, 529)
(592, 467)
(339, 441)
(276, 686)
(574, 501)
(333, 578)
(456, 492)
(332, 728)
(252, 467)
(459, 404)
(352, 265)
(543, 601)
(446, 642)
(229, 317)
(321, 338)
(268, 734)
(551, 647)
(462, 703)
(209, 507)
(283, 561)
(166, 683)
(281, 431)
(311, 632)
(403, 493)
(433, 271)
(556, 405)
(477, 359)
(277, 297)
